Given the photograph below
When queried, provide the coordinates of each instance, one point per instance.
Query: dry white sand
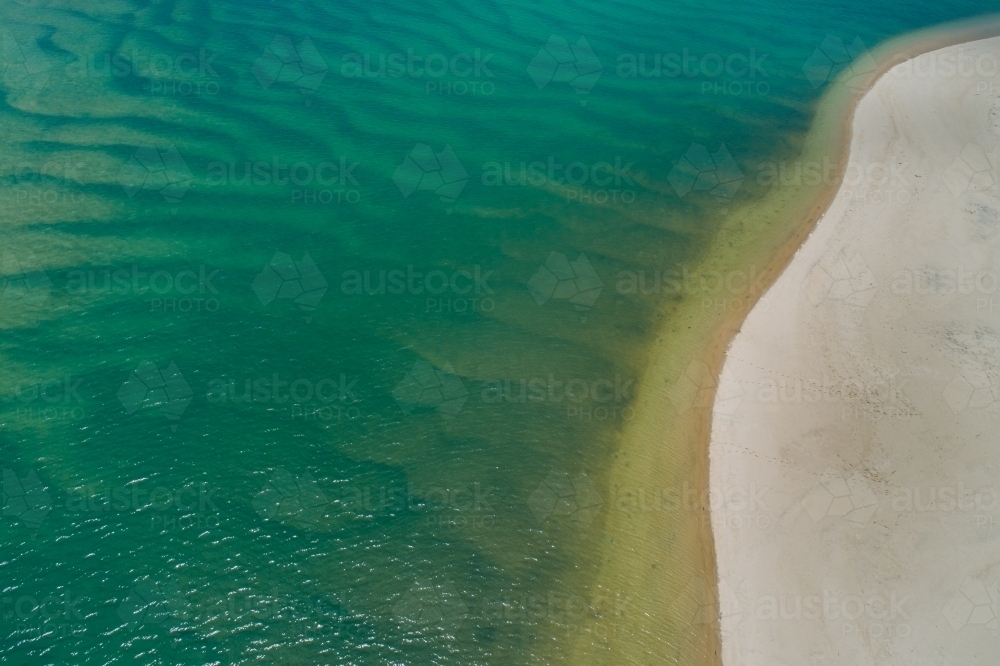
(855, 453)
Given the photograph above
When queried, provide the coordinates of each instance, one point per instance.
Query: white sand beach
(855, 447)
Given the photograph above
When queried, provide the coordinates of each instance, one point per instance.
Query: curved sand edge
(658, 577)
(817, 436)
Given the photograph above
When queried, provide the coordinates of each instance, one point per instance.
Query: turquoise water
(310, 360)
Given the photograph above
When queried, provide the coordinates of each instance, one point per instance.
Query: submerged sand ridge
(860, 408)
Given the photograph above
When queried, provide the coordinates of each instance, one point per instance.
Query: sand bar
(855, 423)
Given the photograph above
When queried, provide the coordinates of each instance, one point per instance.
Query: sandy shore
(853, 471)
(659, 575)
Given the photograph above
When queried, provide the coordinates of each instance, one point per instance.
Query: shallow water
(296, 366)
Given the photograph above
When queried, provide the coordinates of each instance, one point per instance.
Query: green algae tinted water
(321, 321)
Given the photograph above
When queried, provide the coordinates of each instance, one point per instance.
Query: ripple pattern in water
(321, 322)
